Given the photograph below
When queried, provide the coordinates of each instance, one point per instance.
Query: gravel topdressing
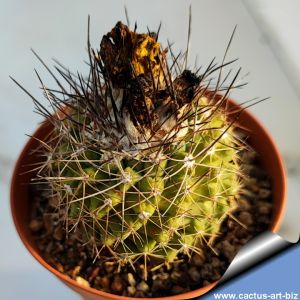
(69, 256)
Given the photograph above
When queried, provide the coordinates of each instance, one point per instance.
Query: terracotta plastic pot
(259, 139)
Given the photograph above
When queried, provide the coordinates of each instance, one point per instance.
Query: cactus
(143, 158)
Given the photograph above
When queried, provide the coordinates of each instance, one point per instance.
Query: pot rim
(89, 290)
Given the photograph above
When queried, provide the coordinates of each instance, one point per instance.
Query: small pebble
(71, 254)
(231, 224)
(131, 279)
(194, 274)
(264, 193)
(58, 233)
(131, 290)
(104, 282)
(228, 250)
(60, 267)
(142, 286)
(75, 271)
(82, 281)
(35, 225)
(247, 169)
(161, 276)
(243, 204)
(53, 201)
(176, 275)
(248, 156)
(243, 241)
(109, 267)
(206, 282)
(158, 285)
(49, 248)
(48, 223)
(245, 218)
(263, 220)
(117, 285)
(70, 241)
(94, 274)
(97, 282)
(198, 259)
(266, 184)
(264, 208)
(241, 232)
(216, 262)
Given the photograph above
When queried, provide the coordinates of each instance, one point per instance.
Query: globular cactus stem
(143, 158)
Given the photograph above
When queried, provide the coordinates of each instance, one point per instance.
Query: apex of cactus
(143, 157)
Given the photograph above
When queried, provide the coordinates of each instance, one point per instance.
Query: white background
(267, 43)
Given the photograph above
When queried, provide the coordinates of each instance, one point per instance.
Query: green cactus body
(151, 170)
(159, 207)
